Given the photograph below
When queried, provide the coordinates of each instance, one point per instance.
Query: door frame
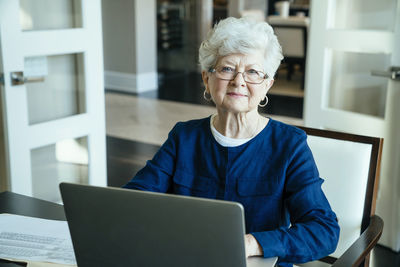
(317, 114)
(20, 137)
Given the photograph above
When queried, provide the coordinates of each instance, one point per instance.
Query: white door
(348, 41)
(52, 95)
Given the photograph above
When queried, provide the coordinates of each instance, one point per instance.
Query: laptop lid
(120, 227)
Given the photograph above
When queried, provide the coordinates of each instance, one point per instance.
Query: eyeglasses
(249, 76)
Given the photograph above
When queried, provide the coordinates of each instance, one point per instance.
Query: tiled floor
(145, 119)
(138, 125)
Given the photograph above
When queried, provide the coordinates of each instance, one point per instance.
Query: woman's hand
(253, 248)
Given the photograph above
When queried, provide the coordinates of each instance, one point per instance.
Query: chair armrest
(360, 249)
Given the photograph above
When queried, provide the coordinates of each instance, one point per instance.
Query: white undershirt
(226, 141)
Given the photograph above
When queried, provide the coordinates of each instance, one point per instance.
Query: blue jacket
(273, 176)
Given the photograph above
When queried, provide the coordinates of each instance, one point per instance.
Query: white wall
(118, 36)
(145, 22)
(129, 40)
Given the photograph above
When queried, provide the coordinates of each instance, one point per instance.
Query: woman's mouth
(236, 95)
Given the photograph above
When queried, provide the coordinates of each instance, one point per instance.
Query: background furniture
(292, 35)
(296, 6)
(350, 166)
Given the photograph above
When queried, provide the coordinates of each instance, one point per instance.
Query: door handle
(17, 78)
(393, 73)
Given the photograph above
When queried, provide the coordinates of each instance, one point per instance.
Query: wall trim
(131, 82)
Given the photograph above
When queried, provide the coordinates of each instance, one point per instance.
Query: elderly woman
(239, 155)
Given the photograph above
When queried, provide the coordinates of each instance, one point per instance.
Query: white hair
(244, 36)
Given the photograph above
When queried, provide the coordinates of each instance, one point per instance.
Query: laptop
(123, 227)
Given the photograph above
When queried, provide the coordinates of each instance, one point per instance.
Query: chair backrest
(349, 164)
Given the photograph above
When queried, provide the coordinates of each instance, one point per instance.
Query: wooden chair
(350, 165)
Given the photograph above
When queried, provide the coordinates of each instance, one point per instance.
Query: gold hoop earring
(205, 96)
(266, 102)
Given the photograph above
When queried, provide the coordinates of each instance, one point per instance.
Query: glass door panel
(353, 88)
(65, 161)
(62, 93)
(365, 14)
(60, 14)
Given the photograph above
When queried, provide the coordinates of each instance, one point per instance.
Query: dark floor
(125, 158)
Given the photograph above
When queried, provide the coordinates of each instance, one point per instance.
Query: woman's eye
(252, 71)
(227, 69)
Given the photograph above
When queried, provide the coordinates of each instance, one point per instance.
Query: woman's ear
(204, 76)
(269, 84)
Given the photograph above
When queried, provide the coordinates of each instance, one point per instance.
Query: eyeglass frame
(214, 70)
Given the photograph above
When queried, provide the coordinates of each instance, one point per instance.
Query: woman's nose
(238, 80)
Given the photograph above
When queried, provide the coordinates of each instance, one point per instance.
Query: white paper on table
(45, 264)
(36, 240)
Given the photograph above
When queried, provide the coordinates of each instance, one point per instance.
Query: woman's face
(237, 96)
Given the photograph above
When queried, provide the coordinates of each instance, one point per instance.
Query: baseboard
(129, 82)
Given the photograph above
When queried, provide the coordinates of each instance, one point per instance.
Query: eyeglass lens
(251, 76)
